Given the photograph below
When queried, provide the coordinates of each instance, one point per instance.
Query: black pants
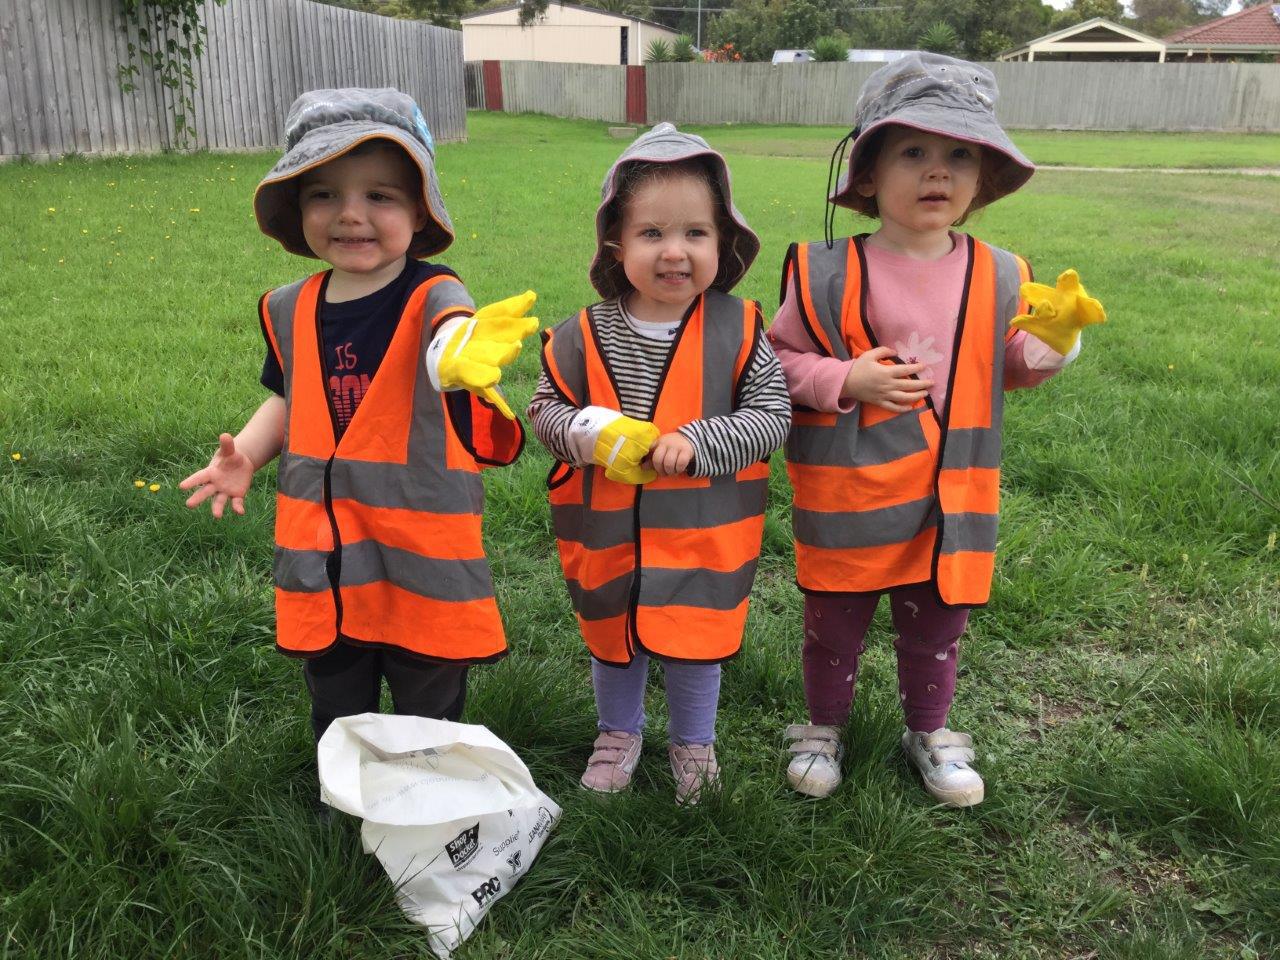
(348, 680)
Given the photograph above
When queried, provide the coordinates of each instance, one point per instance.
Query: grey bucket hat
(665, 144)
(937, 94)
(323, 125)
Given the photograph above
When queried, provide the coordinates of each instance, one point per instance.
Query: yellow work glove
(1058, 314)
(475, 353)
(622, 447)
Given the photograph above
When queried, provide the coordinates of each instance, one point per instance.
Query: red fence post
(492, 85)
(637, 96)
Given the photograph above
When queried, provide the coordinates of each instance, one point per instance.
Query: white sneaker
(815, 751)
(943, 759)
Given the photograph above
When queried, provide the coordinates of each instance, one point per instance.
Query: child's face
(360, 212)
(922, 182)
(668, 243)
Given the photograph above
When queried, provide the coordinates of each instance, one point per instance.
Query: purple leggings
(693, 692)
(927, 645)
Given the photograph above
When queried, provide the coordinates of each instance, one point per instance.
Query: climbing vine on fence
(170, 41)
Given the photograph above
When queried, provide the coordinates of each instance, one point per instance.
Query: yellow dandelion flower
(473, 236)
(62, 261)
(84, 231)
(52, 210)
(154, 487)
(139, 484)
(194, 210)
(15, 456)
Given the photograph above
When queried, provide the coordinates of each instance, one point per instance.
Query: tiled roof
(1253, 25)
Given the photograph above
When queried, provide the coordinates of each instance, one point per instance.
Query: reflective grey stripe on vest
(611, 599)
(446, 295)
(370, 562)
(845, 444)
(423, 484)
(865, 528)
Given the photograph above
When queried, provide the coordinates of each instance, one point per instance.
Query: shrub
(830, 50)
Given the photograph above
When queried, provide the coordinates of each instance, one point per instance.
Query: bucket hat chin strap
(836, 164)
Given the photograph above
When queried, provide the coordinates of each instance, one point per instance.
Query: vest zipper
(333, 563)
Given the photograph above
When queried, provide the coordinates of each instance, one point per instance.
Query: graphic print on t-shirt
(346, 388)
(916, 350)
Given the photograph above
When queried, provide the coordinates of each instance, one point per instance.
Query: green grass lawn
(1123, 685)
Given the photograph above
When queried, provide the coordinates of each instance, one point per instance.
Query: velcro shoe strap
(945, 755)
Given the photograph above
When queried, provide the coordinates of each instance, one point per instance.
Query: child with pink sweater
(897, 347)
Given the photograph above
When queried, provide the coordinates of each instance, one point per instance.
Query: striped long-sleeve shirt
(637, 353)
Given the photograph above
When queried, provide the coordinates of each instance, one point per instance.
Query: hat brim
(1012, 168)
(607, 274)
(275, 202)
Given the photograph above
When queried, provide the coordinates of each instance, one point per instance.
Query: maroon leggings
(927, 645)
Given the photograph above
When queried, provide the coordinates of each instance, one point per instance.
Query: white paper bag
(450, 810)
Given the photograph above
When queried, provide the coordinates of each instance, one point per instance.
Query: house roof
(1098, 31)
(572, 6)
(1258, 25)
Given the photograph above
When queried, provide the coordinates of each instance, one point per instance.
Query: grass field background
(157, 772)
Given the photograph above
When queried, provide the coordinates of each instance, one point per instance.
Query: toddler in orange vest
(897, 348)
(662, 404)
(379, 568)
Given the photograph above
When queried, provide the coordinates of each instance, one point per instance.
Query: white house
(566, 33)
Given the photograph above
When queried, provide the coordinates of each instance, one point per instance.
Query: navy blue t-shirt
(356, 335)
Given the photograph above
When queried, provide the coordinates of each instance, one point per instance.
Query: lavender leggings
(693, 692)
(927, 645)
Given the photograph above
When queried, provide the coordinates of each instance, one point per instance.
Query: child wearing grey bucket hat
(383, 407)
(897, 346)
(661, 405)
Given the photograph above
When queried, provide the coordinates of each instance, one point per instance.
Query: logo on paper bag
(541, 825)
(486, 891)
(463, 848)
(513, 862)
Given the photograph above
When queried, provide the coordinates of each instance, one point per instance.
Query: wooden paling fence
(59, 91)
(1069, 96)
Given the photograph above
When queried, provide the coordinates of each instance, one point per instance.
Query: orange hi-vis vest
(885, 499)
(378, 534)
(664, 568)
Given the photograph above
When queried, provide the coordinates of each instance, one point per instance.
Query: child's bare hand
(887, 385)
(227, 477)
(671, 455)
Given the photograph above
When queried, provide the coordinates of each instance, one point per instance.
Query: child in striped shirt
(662, 404)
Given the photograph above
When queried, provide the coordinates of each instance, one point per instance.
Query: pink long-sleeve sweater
(912, 306)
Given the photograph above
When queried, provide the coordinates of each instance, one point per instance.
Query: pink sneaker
(613, 760)
(694, 767)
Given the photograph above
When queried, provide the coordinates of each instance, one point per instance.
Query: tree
(990, 44)
(941, 37)
(1082, 10)
(803, 21)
